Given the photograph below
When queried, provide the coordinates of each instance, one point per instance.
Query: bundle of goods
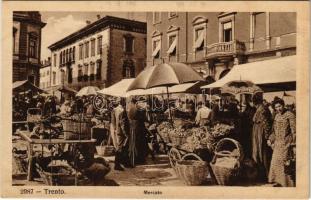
(77, 127)
(57, 173)
(227, 160)
(221, 130)
(163, 130)
(178, 136)
(192, 172)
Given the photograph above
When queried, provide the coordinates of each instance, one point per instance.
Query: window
(86, 73)
(54, 78)
(55, 59)
(48, 73)
(227, 31)
(87, 49)
(156, 46)
(172, 42)
(60, 58)
(98, 70)
(69, 74)
(93, 47)
(128, 46)
(92, 71)
(80, 73)
(128, 69)
(81, 51)
(73, 53)
(32, 47)
(199, 39)
(172, 14)
(14, 40)
(226, 26)
(99, 45)
(156, 17)
(64, 57)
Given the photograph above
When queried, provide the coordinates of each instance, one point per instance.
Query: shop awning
(199, 41)
(273, 71)
(156, 50)
(191, 88)
(22, 86)
(172, 47)
(118, 89)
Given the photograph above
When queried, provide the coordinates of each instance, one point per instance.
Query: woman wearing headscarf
(282, 140)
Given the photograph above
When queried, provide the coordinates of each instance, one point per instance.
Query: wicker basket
(105, 149)
(192, 172)
(227, 148)
(55, 178)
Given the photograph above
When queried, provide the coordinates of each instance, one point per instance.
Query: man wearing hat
(121, 132)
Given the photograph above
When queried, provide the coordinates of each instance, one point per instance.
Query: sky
(62, 24)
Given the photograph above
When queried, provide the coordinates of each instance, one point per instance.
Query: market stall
(61, 156)
(23, 86)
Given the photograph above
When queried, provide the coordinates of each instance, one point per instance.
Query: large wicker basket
(227, 148)
(192, 172)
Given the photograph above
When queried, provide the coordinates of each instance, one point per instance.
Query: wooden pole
(168, 104)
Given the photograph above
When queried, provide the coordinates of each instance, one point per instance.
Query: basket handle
(225, 153)
(191, 154)
(236, 143)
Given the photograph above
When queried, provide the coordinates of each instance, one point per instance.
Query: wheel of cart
(176, 154)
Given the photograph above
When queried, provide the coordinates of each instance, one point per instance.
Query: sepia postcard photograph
(178, 99)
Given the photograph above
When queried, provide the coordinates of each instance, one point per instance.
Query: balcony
(223, 49)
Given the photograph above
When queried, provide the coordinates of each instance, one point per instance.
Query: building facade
(213, 42)
(100, 54)
(27, 46)
(47, 76)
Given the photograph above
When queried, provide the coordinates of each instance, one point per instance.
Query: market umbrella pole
(168, 104)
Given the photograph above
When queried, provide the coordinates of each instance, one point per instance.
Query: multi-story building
(100, 54)
(27, 46)
(213, 42)
(46, 74)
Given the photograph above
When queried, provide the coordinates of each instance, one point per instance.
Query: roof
(22, 86)
(119, 23)
(33, 17)
(278, 70)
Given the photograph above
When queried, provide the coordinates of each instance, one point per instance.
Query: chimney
(98, 16)
(88, 22)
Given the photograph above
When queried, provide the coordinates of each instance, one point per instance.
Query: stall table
(31, 142)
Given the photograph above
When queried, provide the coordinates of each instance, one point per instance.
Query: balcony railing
(225, 48)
